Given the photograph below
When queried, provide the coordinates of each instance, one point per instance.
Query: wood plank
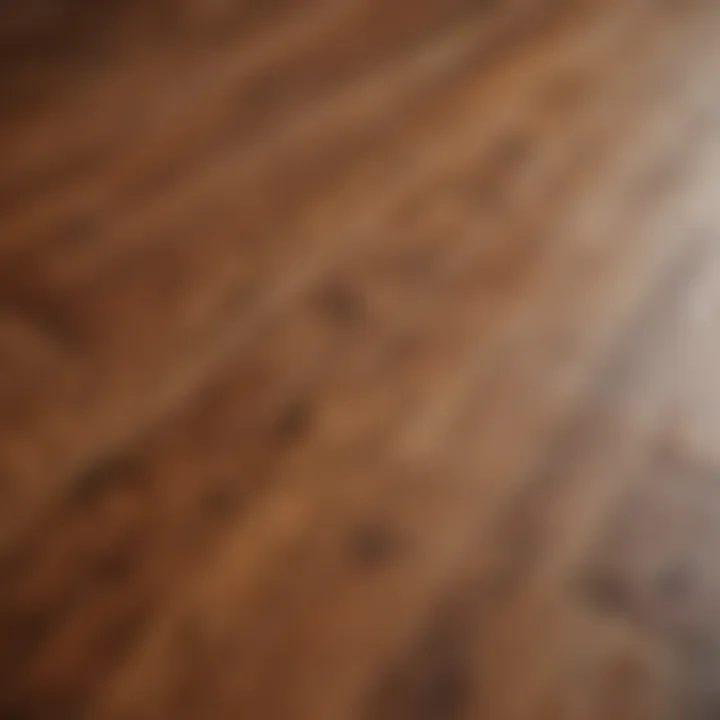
(358, 361)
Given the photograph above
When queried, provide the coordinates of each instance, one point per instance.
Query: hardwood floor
(358, 360)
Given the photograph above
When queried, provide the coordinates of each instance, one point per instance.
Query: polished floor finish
(360, 360)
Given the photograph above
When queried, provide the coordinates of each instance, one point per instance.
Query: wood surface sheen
(360, 360)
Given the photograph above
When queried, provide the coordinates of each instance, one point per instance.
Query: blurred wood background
(359, 360)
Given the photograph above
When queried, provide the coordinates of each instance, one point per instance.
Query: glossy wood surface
(359, 360)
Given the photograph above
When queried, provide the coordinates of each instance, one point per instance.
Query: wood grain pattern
(358, 360)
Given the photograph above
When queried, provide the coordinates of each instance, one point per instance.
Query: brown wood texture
(359, 360)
